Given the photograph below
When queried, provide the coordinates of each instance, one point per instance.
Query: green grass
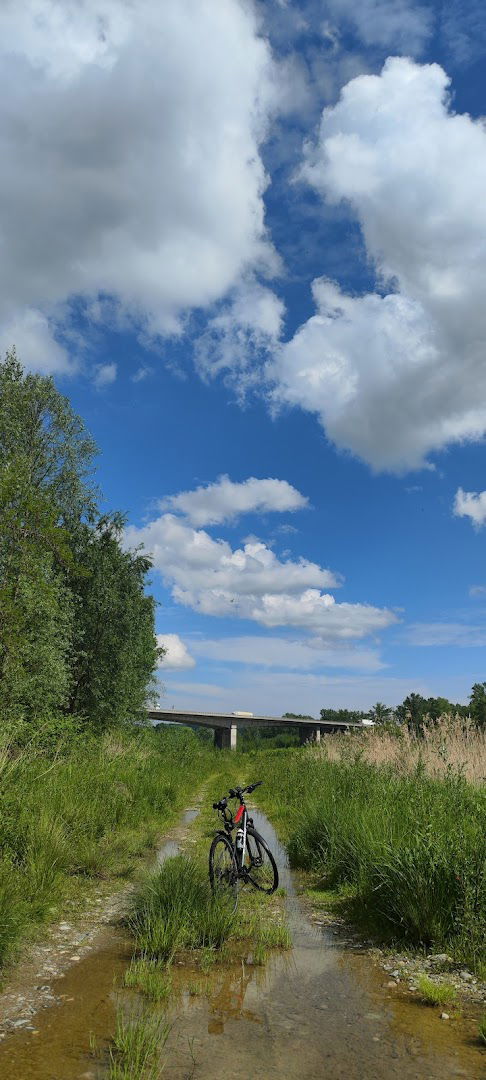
(436, 993)
(150, 978)
(84, 809)
(175, 910)
(482, 1029)
(136, 1048)
(410, 850)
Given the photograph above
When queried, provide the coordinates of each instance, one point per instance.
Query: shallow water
(319, 1011)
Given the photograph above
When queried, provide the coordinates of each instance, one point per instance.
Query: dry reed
(453, 744)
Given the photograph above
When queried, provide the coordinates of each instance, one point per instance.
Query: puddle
(59, 1046)
(319, 1011)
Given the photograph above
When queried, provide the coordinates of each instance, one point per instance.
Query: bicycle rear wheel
(223, 873)
(260, 865)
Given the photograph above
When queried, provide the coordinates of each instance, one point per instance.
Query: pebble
(444, 1016)
(466, 976)
(391, 985)
(64, 927)
(75, 957)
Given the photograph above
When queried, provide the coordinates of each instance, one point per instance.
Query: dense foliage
(76, 627)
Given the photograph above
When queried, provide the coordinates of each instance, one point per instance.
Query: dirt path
(62, 989)
(319, 1011)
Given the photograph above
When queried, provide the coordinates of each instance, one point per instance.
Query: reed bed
(400, 828)
(453, 744)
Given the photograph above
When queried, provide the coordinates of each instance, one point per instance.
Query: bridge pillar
(309, 734)
(225, 738)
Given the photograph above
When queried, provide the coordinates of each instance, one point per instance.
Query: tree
(115, 649)
(380, 713)
(76, 627)
(477, 707)
(412, 712)
(45, 457)
(346, 716)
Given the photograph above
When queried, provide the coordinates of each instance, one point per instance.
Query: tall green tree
(412, 712)
(45, 460)
(76, 627)
(380, 713)
(477, 706)
(115, 649)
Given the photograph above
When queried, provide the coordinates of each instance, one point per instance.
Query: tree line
(415, 711)
(77, 640)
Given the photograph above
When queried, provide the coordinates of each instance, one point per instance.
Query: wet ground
(319, 1011)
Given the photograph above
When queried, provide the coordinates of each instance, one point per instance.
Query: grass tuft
(436, 993)
(482, 1029)
(137, 1044)
(175, 910)
(150, 978)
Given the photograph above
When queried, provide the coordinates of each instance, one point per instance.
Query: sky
(248, 240)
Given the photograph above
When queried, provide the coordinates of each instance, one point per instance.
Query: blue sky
(249, 242)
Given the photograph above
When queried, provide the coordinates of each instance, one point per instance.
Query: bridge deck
(225, 725)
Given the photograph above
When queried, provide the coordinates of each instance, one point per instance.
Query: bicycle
(247, 858)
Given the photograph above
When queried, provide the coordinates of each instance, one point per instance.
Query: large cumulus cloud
(399, 372)
(131, 174)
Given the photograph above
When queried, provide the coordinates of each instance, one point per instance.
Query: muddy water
(319, 1011)
(58, 1046)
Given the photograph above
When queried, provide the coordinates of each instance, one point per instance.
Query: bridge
(225, 725)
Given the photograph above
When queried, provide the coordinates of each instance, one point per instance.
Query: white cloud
(30, 332)
(105, 375)
(463, 30)
(250, 582)
(393, 24)
(176, 652)
(275, 652)
(211, 504)
(130, 138)
(242, 334)
(477, 590)
(141, 373)
(457, 634)
(265, 695)
(471, 504)
(395, 375)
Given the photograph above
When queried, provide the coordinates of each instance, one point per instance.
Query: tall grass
(82, 809)
(453, 744)
(175, 910)
(411, 846)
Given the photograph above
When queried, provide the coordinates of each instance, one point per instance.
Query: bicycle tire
(223, 877)
(258, 881)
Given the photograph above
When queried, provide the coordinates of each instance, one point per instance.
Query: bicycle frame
(241, 820)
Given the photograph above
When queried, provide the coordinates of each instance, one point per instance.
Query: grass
(174, 910)
(149, 978)
(80, 810)
(482, 1029)
(408, 848)
(136, 1048)
(436, 993)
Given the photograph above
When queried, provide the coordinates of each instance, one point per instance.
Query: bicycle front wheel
(260, 865)
(223, 873)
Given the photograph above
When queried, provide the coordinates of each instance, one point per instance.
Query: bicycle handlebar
(236, 793)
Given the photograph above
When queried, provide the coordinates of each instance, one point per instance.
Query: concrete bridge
(225, 725)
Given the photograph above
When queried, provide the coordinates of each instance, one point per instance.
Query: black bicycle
(246, 858)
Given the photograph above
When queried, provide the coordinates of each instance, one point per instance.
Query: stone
(466, 976)
(391, 985)
(444, 1016)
